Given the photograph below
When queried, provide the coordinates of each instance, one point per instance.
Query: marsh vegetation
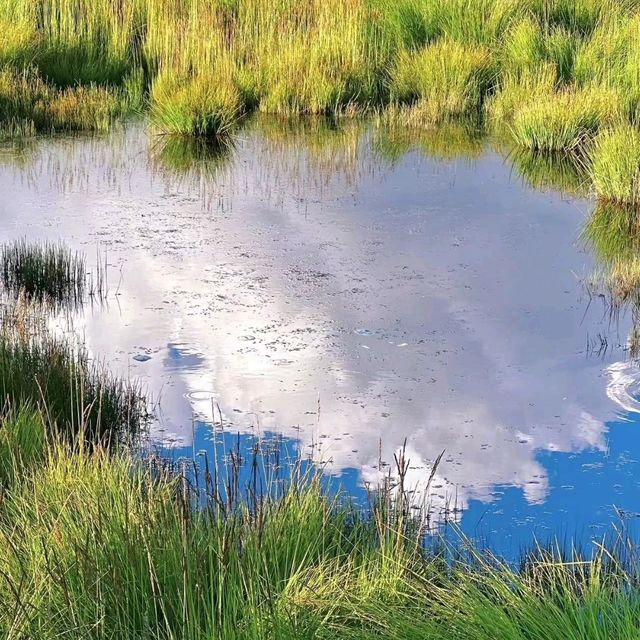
(553, 74)
(100, 537)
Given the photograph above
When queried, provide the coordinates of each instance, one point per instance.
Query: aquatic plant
(442, 81)
(615, 167)
(207, 63)
(28, 105)
(566, 120)
(204, 105)
(76, 395)
(44, 271)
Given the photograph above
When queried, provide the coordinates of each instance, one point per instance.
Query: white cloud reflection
(437, 302)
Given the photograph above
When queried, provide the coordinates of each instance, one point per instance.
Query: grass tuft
(442, 81)
(200, 106)
(566, 120)
(615, 168)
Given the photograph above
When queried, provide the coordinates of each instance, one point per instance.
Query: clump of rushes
(442, 81)
(518, 88)
(60, 380)
(200, 105)
(615, 165)
(44, 271)
(566, 120)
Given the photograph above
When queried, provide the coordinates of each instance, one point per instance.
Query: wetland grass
(99, 544)
(204, 65)
(566, 120)
(442, 81)
(204, 106)
(43, 271)
(60, 380)
(615, 166)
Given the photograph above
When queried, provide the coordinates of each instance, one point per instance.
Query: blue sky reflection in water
(315, 290)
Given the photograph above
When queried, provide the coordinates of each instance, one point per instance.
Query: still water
(319, 285)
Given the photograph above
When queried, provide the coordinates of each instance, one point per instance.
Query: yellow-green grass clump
(442, 81)
(612, 54)
(567, 120)
(329, 59)
(199, 105)
(476, 22)
(581, 17)
(528, 47)
(615, 165)
(517, 89)
(28, 105)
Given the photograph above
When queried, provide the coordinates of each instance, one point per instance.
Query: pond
(344, 292)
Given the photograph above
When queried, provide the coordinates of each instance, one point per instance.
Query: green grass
(201, 106)
(553, 71)
(23, 443)
(58, 378)
(566, 120)
(28, 105)
(99, 545)
(43, 271)
(442, 81)
(615, 168)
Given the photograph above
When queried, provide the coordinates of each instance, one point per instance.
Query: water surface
(348, 295)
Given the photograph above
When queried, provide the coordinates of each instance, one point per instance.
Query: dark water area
(338, 291)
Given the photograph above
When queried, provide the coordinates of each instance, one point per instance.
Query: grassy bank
(99, 545)
(553, 73)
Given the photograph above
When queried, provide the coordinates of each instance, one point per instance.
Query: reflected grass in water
(564, 172)
(463, 139)
(613, 234)
(196, 157)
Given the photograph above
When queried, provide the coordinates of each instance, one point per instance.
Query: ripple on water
(200, 396)
(624, 385)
